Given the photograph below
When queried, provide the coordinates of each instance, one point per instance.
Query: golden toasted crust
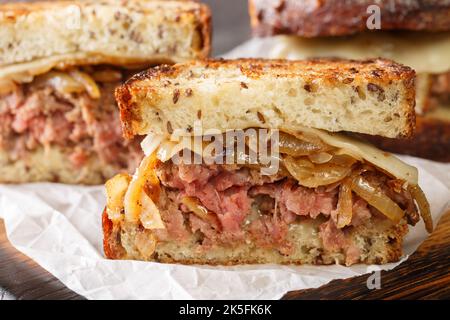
(331, 68)
(431, 140)
(108, 31)
(322, 93)
(314, 18)
(111, 239)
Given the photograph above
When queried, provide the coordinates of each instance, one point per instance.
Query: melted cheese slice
(363, 150)
(424, 52)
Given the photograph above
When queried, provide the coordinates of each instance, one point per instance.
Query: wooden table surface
(425, 275)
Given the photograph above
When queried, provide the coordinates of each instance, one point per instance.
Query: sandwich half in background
(331, 198)
(60, 63)
(414, 33)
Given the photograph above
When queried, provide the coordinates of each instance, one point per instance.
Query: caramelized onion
(6, 86)
(150, 216)
(145, 242)
(88, 83)
(313, 175)
(345, 205)
(138, 204)
(107, 75)
(116, 188)
(321, 157)
(24, 77)
(424, 206)
(151, 143)
(61, 81)
(194, 205)
(66, 82)
(167, 149)
(295, 147)
(376, 198)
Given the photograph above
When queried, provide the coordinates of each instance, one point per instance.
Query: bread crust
(146, 93)
(431, 140)
(316, 18)
(108, 32)
(107, 227)
(111, 239)
(329, 68)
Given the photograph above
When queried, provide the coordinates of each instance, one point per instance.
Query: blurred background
(231, 23)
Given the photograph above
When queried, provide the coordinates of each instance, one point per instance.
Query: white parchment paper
(59, 227)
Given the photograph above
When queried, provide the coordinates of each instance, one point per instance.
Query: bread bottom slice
(431, 139)
(377, 242)
(52, 164)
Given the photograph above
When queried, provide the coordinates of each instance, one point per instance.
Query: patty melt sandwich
(60, 62)
(414, 33)
(206, 193)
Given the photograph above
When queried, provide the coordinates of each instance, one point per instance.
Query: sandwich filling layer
(72, 110)
(323, 197)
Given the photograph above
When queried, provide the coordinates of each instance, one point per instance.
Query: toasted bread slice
(377, 243)
(333, 95)
(64, 33)
(431, 139)
(312, 18)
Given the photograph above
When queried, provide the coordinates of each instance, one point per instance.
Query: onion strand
(293, 146)
(376, 198)
(87, 81)
(345, 205)
(194, 205)
(313, 175)
(424, 206)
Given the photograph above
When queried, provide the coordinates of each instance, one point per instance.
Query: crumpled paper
(59, 227)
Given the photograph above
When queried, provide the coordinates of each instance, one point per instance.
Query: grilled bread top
(109, 31)
(375, 97)
(314, 18)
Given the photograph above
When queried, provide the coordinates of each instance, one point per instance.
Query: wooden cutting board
(426, 275)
